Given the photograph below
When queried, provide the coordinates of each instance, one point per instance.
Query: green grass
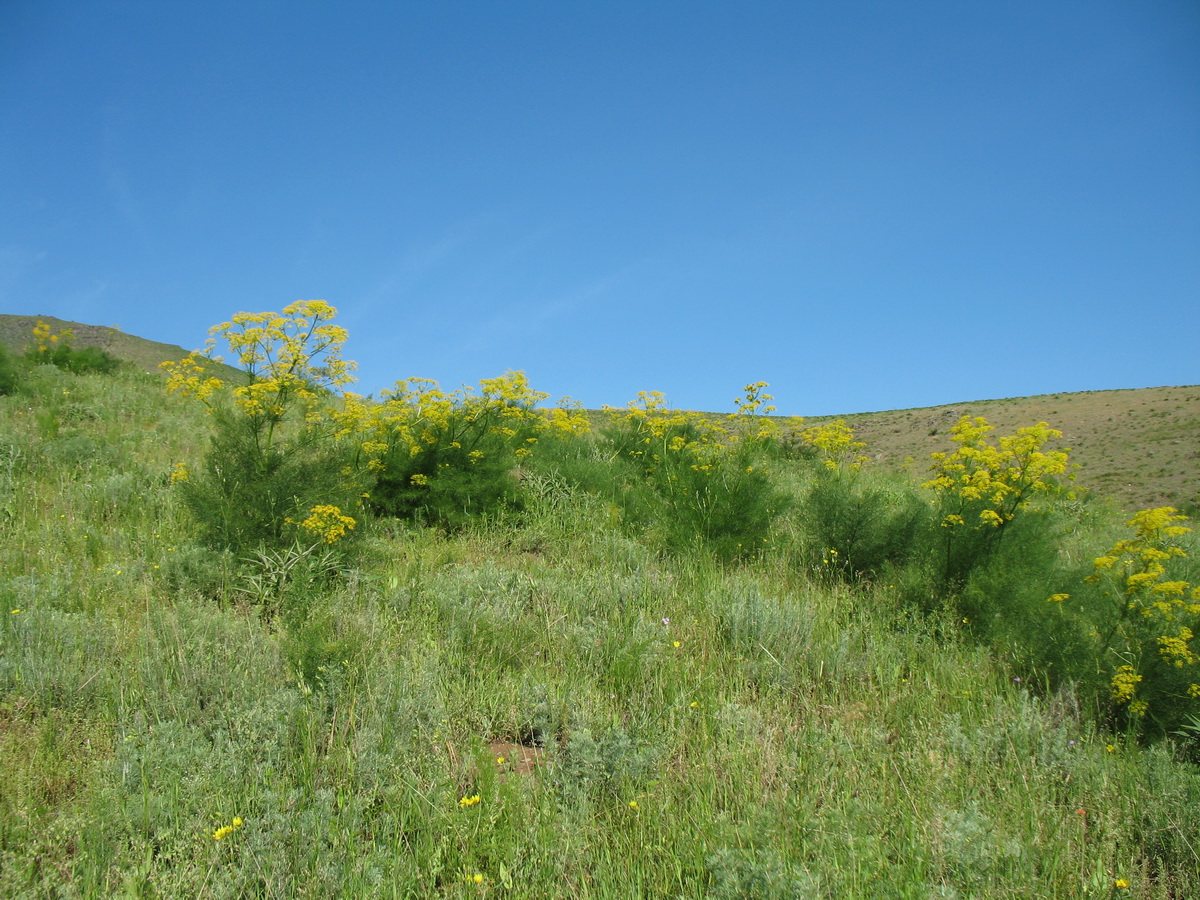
(672, 727)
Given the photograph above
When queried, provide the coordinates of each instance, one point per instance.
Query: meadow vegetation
(463, 644)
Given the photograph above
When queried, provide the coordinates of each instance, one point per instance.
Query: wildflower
(469, 801)
(676, 644)
(1057, 598)
(500, 760)
(226, 830)
(1110, 748)
(16, 612)
(477, 878)
(1121, 883)
(666, 621)
(633, 804)
(1124, 684)
(328, 523)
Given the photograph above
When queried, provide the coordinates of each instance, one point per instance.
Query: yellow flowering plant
(452, 455)
(277, 452)
(1149, 617)
(835, 445)
(981, 488)
(46, 340)
(697, 481)
(54, 348)
(855, 525)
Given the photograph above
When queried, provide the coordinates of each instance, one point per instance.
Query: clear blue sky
(869, 205)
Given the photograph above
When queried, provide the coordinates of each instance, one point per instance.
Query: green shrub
(252, 495)
(275, 472)
(856, 530)
(84, 361)
(9, 371)
(450, 458)
(448, 482)
(690, 483)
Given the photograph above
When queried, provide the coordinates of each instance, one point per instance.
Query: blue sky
(868, 205)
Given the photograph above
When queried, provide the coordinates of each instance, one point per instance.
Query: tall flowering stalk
(293, 361)
(273, 455)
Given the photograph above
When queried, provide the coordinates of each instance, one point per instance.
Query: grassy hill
(15, 332)
(551, 702)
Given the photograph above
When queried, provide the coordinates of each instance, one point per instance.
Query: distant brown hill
(1141, 447)
(17, 333)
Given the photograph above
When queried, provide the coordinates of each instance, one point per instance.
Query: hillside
(15, 332)
(575, 695)
(1139, 447)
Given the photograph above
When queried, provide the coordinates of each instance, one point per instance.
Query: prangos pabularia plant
(275, 453)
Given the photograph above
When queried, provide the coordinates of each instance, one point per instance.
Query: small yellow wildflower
(225, 830)
(469, 801)
(1121, 883)
(1058, 598)
(477, 878)
(500, 760)
(633, 804)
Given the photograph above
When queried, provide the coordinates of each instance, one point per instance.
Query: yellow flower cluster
(661, 434)
(999, 476)
(328, 523)
(834, 441)
(417, 416)
(1124, 683)
(1136, 567)
(226, 830)
(189, 377)
(46, 339)
(1175, 650)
